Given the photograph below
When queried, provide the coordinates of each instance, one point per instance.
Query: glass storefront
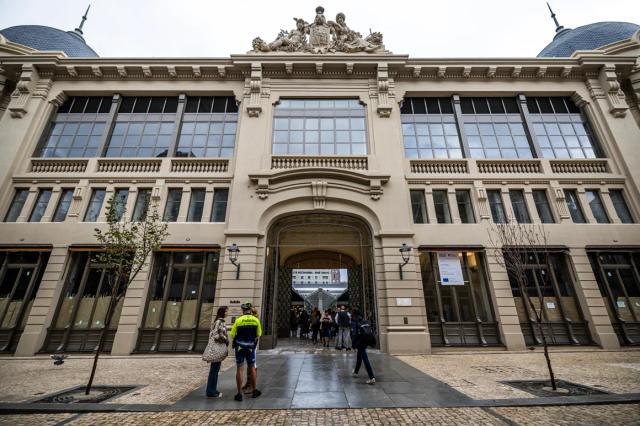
(81, 314)
(548, 288)
(618, 278)
(180, 303)
(458, 315)
(20, 276)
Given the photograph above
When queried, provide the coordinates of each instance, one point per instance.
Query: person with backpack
(244, 334)
(315, 325)
(343, 320)
(363, 336)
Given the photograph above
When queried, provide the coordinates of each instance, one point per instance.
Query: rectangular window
(441, 202)
(143, 127)
(219, 210)
(172, 208)
(542, 206)
(196, 205)
(620, 205)
(494, 128)
(319, 127)
(19, 198)
(418, 206)
(208, 127)
(95, 204)
(465, 208)
(574, 206)
(77, 128)
(429, 128)
(561, 130)
(120, 200)
(519, 205)
(497, 208)
(63, 205)
(44, 195)
(597, 208)
(142, 205)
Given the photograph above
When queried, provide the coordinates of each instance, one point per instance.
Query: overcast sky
(210, 28)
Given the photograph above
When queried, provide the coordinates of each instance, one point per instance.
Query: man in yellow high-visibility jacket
(245, 332)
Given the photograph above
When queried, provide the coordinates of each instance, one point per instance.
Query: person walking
(315, 325)
(343, 319)
(363, 337)
(304, 324)
(245, 332)
(293, 323)
(325, 328)
(216, 351)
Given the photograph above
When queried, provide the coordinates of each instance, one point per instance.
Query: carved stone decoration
(613, 91)
(321, 36)
(561, 205)
(20, 96)
(255, 90)
(384, 107)
(76, 201)
(319, 194)
(483, 205)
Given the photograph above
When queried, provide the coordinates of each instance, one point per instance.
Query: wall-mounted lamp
(233, 258)
(404, 251)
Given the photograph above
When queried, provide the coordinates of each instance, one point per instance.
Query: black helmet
(246, 306)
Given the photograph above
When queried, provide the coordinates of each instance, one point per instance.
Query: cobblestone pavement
(163, 379)
(571, 415)
(478, 374)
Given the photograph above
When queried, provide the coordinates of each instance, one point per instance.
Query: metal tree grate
(535, 387)
(76, 395)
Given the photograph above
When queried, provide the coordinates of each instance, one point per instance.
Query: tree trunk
(103, 333)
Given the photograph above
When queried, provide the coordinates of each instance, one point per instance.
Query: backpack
(366, 334)
(343, 319)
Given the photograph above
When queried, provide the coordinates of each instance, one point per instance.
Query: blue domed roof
(588, 37)
(46, 38)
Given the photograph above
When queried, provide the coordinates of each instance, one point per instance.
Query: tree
(512, 242)
(127, 245)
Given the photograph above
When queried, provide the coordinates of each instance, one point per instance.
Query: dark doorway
(316, 260)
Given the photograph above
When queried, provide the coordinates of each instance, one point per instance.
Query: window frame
(599, 203)
(519, 207)
(546, 203)
(418, 205)
(500, 204)
(444, 217)
(575, 201)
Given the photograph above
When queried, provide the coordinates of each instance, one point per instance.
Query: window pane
(542, 206)
(519, 206)
(120, 202)
(219, 210)
(595, 203)
(418, 206)
(196, 205)
(63, 205)
(574, 206)
(41, 204)
(95, 205)
(620, 205)
(142, 205)
(172, 208)
(441, 201)
(497, 208)
(465, 208)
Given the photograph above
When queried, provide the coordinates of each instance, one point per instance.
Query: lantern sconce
(233, 258)
(404, 251)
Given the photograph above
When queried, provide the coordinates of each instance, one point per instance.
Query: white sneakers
(371, 381)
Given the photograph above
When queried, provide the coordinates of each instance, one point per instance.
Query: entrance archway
(334, 243)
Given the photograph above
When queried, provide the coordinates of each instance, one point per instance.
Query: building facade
(322, 150)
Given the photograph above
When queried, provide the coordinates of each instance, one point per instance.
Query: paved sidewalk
(594, 415)
(305, 380)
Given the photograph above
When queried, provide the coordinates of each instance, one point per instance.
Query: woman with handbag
(216, 351)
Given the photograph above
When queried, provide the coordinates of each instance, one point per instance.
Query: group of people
(348, 327)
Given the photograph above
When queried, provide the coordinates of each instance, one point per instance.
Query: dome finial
(553, 16)
(84, 18)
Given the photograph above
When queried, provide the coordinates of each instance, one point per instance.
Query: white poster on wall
(450, 268)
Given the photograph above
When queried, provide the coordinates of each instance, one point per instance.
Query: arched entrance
(316, 260)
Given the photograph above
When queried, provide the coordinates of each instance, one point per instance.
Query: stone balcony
(127, 167)
(530, 168)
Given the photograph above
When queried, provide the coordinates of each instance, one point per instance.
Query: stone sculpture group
(321, 36)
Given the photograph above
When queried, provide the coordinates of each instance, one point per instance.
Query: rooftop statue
(321, 37)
